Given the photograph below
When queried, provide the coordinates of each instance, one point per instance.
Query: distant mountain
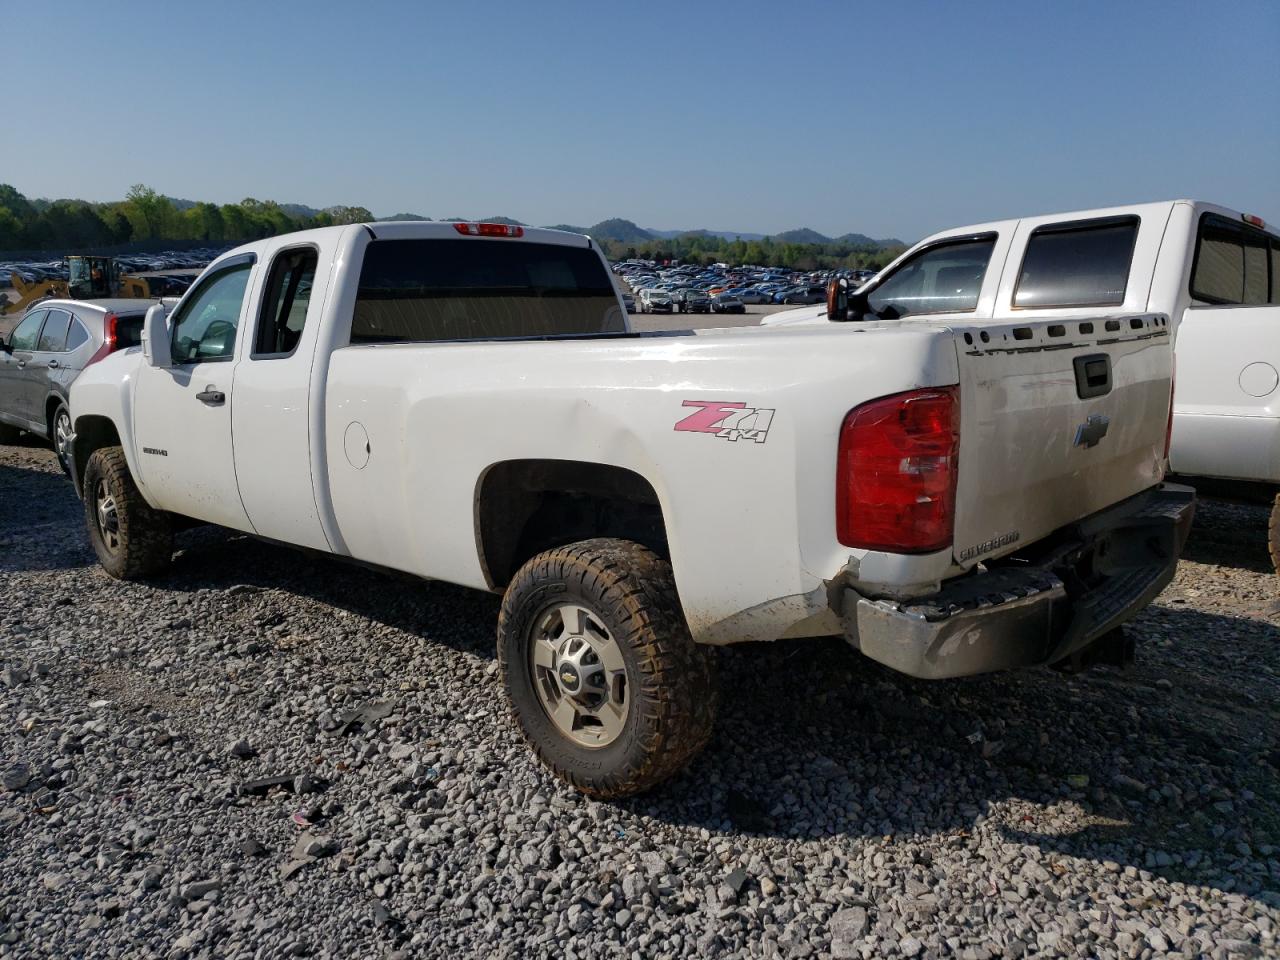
(299, 210)
(619, 229)
(802, 235)
(723, 234)
(403, 216)
(862, 240)
(567, 228)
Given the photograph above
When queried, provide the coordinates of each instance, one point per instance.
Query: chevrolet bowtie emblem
(1092, 430)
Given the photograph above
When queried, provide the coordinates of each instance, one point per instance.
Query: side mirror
(155, 337)
(838, 299)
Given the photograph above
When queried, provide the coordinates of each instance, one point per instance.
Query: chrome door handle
(21, 364)
(53, 364)
(211, 396)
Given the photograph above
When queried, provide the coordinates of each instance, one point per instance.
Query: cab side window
(285, 303)
(26, 335)
(53, 338)
(205, 328)
(1080, 264)
(946, 278)
(1234, 264)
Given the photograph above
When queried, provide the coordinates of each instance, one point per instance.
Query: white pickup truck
(465, 402)
(1213, 271)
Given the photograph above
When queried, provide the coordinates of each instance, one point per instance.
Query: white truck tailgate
(1058, 419)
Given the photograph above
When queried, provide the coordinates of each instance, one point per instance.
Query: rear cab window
(1235, 263)
(435, 290)
(1081, 263)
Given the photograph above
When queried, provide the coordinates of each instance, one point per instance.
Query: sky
(889, 119)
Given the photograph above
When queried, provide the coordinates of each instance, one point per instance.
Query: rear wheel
(133, 541)
(60, 435)
(1273, 535)
(603, 678)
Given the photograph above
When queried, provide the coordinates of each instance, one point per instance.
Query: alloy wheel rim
(579, 674)
(62, 435)
(108, 516)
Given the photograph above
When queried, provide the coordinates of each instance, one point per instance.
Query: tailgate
(1058, 419)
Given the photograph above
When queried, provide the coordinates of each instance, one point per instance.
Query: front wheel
(133, 541)
(1273, 535)
(603, 678)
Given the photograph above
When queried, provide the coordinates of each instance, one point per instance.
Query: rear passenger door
(1227, 401)
(45, 373)
(271, 414)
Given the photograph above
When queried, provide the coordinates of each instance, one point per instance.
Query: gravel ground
(860, 814)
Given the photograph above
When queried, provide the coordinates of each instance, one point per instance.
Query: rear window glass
(129, 330)
(1081, 264)
(1234, 264)
(475, 289)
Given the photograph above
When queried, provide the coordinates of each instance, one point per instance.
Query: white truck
(1213, 271)
(465, 402)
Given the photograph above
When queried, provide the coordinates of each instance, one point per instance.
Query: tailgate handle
(1093, 375)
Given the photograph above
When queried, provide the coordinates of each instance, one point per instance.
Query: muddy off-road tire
(601, 673)
(1273, 535)
(132, 541)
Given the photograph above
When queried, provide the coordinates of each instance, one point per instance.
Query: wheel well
(524, 507)
(50, 406)
(92, 433)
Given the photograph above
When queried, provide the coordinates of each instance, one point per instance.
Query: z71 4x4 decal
(727, 420)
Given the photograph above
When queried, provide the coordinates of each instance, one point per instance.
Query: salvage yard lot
(841, 810)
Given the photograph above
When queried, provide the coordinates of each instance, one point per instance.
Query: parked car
(690, 300)
(653, 300)
(752, 295)
(796, 295)
(629, 301)
(503, 445)
(727, 303)
(52, 343)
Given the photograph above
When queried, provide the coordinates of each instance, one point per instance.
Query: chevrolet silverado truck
(465, 402)
(1213, 271)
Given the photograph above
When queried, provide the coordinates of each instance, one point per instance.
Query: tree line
(63, 225)
(66, 225)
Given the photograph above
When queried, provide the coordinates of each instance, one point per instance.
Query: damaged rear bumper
(1042, 609)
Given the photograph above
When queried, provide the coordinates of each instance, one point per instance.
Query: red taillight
(1250, 219)
(110, 338)
(489, 229)
(896, 472)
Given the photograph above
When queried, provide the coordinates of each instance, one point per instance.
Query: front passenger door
(15, 398)
(182, 414)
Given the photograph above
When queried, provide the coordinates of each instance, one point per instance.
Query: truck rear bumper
(1085, 581)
